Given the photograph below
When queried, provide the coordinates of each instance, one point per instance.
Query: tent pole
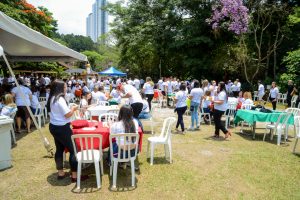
(43, 138)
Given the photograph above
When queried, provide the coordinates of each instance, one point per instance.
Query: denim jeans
(194, 114)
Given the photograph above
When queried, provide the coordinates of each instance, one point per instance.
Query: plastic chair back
(167, 126)
(87, 145)
(102, 103)
(126, 143)
(108, 117)
(247, 106)
(297, 125)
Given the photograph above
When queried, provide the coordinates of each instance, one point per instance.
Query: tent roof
(22, 43)
(112, 72)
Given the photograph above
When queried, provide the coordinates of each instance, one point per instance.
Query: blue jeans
(144, 115)
(194, 114)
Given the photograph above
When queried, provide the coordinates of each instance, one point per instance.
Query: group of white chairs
(128, 145)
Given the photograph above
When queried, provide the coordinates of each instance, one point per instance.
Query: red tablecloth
(104, 131)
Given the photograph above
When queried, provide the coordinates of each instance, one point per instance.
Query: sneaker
(198, 128)
(191, 129)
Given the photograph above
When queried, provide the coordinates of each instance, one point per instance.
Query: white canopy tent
(20, 43)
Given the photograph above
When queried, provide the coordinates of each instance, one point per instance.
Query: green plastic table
(253, 116)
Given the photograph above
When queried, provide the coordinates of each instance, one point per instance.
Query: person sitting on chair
(145, 114)
(9, 105)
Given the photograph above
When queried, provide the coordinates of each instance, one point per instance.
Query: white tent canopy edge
(21, 43)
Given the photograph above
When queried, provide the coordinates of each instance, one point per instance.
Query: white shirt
(274, 92)
(116, 95)
(145, 106)
(223, 97)
(34, 102)
(160, 83)
(181, 99)
(130, 82)
(234, 88)
(248, 101)
(95, 95)
(135, 95)
(102, 97)
(58, 111)
(83, 103)
(164, 84)
(170, 89)
(118, 127)
(239, 86)
(261, 90)
(197, 94)
(137, 83)
(148, 88)
(206, 103)
(47, 80)
(18, 96)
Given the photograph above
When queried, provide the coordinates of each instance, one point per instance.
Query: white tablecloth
(98, 110)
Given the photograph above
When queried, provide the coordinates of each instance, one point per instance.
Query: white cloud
(70, 14)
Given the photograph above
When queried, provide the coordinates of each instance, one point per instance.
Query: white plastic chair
(293, 101)
(230, 112)
(255, 96)
(203, 114)
(103, 103)
(115, 111)
(127, 143)
(162, 101)
(42, 99)
(39, 114)
(245, 106)
(297, 129)
(164, 138)
(12, 130)
(279, 96)
(278, 127)
(283, 98)
(108, 117)
(150, 119)
(296, 113)
(87, 153)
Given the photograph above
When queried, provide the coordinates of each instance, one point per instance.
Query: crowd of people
(194, 96)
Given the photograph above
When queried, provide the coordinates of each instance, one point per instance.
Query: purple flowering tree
(230, 14)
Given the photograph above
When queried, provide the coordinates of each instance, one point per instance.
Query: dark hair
(196, 84)
(88, 100)
(126, 115)
(56, 90)
(222, 86)
(182, 86)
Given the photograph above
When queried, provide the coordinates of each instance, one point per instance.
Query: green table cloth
(252, 116)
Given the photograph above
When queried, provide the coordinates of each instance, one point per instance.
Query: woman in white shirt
(148, 90)
(9, 106)
(126, 124)
(196, 97)
(59, 127)
(220, 106)
(274, 95)
(181, 106)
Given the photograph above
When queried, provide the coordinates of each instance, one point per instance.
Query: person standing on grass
(22, 112)
(59, 127)
(181, 106)
(274, 95)
(220, 106)
(148, 90)
(135, 99)
(196, 97)
(261, 91)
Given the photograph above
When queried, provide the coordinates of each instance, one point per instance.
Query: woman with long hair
(148, 90)
(10, 107)
(60, 129)
(220, 106)
(125, 124)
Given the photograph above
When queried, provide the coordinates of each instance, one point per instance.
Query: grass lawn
(202, 168)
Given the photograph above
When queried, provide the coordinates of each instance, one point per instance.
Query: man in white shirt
(47, 80)
(135, 99)
(239, 85)
(261, 91)
(160, 83)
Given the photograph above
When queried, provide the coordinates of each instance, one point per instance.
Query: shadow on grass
(159, 161)
(123, 181)
(52, 179)
(220, 139)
